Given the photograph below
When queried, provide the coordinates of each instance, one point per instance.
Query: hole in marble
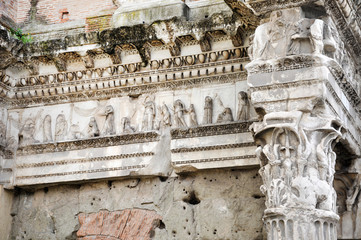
(256, 196)
(191, 198)
(161, 225)
(163, 179)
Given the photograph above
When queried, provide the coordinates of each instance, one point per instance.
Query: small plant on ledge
(25, 38)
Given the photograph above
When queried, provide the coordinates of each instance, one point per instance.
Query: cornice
(264, 6)
(210, 130)
(348, 23)
(215, 147)
(130, 84)
(130, 167)
(84, 160)
(97, 142)
(303, 62)
(220, 159)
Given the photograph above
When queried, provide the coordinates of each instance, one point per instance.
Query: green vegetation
(25, 38)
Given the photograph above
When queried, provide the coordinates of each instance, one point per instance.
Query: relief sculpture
(93, 130)
(109, 128)
(26, 134)
(192, 116)
(126, 127)
(47, 134)
(288, 33)
(148, 117)
(179, 110)
(164, 117)
(225, 116)
(208, 110)
(61, 128)
(243, 107)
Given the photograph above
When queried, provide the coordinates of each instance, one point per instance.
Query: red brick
(126, 224)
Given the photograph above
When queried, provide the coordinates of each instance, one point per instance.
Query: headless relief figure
(208, 109)
(243, 107)
(93, 130)
(47, 136)
(109, 121)
(126, 127)
(192, 116)
(61, 128)
(179, 110)
(148, 117)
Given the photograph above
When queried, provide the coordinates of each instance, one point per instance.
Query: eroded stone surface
(212, 204)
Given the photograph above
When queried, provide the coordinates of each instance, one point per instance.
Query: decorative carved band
(214, 159)
(88, 143)
(129, 90)
(284, 64)
(209, 148)
(5, 152)
(133, 70)
(83, 160)
(83, 172)
(264, 6)
(350, 32)
(210, 130)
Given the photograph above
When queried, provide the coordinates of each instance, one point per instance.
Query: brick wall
(8, 11)
(58, 11)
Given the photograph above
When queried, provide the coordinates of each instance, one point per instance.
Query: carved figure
(93, 130)
(109, 121)
(47, 135)
(74, 132)
(226, 116)
(179, 114)
(61, 128)
(126, 127)
(353, 192)
(165, 119)
(148, 117)
(26, 134)
(208, 109)
(316, 36)
(192, 116)
(243, 107)
(268, 36)
(2, 134)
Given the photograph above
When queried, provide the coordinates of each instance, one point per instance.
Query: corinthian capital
(297, 168)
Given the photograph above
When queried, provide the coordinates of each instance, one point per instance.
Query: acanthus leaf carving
(297, 169)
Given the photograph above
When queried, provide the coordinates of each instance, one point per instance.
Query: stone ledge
(88, 143)
(210, 130)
